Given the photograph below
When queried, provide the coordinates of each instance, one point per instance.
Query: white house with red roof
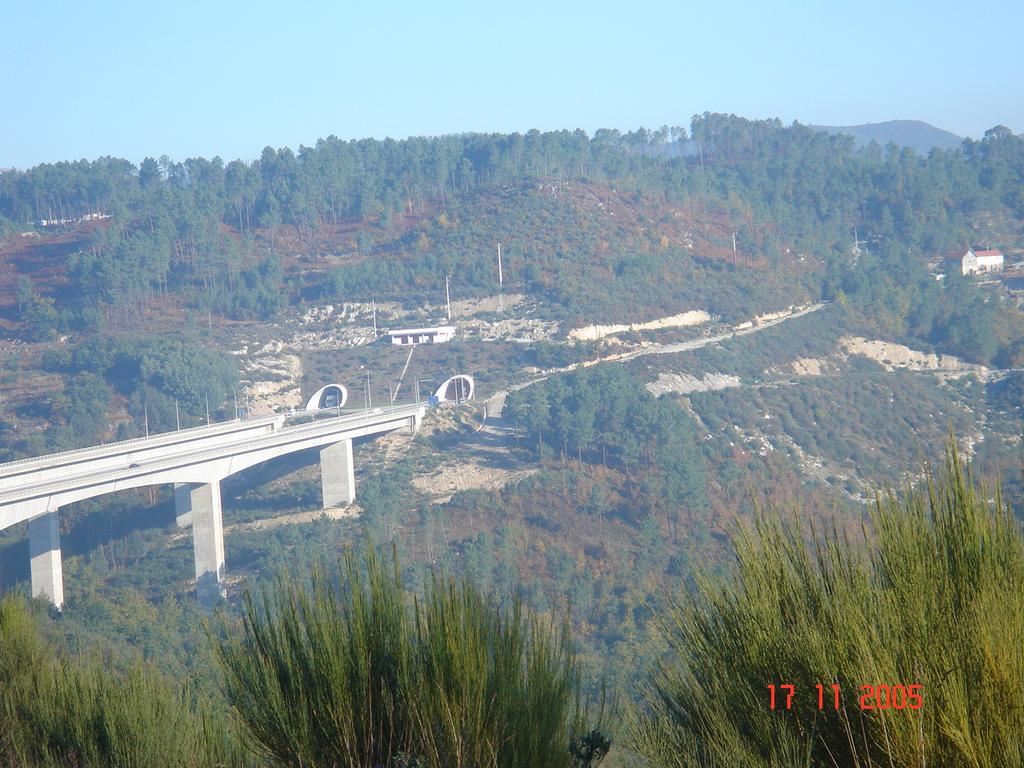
(979, 260)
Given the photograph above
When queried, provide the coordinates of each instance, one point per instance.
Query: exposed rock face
(808, 366)
(893, 356)
(685, 383)
(594, 332)
(271, 379)
(460, 475)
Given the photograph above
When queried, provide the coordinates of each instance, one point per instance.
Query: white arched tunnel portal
(457, 389)
(330, 396)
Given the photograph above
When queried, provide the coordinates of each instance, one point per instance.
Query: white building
(406, 336)
(978, 260)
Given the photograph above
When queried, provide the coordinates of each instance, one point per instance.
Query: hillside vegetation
(919, 627)
(595, 228)
(825, 361)
(916, 627)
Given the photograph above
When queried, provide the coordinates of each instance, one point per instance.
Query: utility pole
(734, 249)
(855, 250)
(447, 297)
(145, 411)
(374, 304)
(501, 282)
(206, 397)
(177, 417)
(419, 389)
(369, 397)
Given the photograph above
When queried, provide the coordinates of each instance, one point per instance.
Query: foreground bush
(76, 713)
(355, 676)
(935, 598)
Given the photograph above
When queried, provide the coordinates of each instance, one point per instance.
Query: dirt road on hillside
(494, 424)
(483, 459)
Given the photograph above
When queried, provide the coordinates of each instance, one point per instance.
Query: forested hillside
(209, 231)
(610, 226)
(773, 330)
(605, 227)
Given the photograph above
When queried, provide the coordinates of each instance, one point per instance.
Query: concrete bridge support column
(337, 474)
(44, 553)
(207, 539)
(183, 504)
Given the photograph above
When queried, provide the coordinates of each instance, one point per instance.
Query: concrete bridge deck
(125, 452)
(195, 461)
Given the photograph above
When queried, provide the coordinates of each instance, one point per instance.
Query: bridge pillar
(183, 504)
(207, 539)
(337, 474)
(44, 553)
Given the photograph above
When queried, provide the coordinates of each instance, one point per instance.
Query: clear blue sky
(227, 78)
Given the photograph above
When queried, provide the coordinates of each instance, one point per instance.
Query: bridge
(195, 461)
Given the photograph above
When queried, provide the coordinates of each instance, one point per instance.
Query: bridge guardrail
(135, 442)
(79, 479)
(303, 431)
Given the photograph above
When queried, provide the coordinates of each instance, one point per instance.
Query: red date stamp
(871, 696)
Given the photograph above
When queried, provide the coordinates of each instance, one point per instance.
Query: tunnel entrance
(457, 389)
(331, 396)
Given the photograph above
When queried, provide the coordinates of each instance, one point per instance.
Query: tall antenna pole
(448, 297)
(177, 417)
(374, 320)
(501, 299)
(206, 397)
(145, 411)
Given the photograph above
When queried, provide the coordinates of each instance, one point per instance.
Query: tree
(39, 315)
(83, 409)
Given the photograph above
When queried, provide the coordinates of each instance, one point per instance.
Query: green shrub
(78, 714)
(352, 675)
(935, 598)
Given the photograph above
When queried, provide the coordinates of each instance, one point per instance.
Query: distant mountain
(915, 134)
